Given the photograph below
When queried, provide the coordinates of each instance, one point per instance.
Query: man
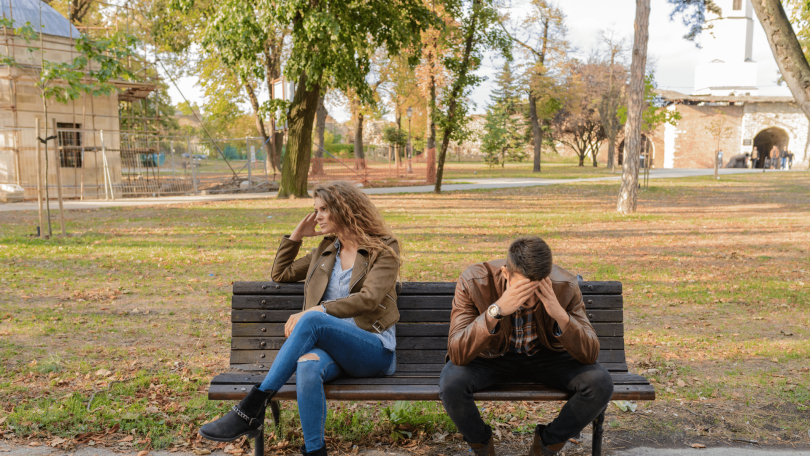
(775, 157)
(522, 317)
(754, 158)
(784, 157)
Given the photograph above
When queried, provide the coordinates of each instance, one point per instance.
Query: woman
(350, 309)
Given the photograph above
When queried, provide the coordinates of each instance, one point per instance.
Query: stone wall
(690, 144)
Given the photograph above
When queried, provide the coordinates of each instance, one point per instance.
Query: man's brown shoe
(484, 449)
(539, 449)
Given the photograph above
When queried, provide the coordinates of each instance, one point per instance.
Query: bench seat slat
(431, 393)
(403, 356)
(403, 343)
(427, 378)
(406, 316)
(403, 329)
(406, 302)
(611, 367)
(408, 288)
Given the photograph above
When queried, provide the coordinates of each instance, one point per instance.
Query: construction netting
(95, 164)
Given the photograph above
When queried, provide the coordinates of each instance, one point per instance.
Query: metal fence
(379, 168)
(95, 164)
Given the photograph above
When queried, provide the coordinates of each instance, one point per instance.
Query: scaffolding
(81, 121)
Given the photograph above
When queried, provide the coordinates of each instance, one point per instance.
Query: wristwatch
(494, 311)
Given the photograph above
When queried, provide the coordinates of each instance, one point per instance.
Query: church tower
(725, 66)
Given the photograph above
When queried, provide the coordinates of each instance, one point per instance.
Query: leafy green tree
(503, 124)
(242, 38)
(332, 43)
(541, 36)
(495, 136)
(478, 32)
(654, 113)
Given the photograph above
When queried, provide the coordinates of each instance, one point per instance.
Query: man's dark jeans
(591, 384)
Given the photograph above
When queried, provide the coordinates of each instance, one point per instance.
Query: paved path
(448, 186)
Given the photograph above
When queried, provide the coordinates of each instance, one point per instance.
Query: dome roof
(23, 11)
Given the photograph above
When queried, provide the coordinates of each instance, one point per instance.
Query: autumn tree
(479, 31)
(541, 36)
(719, 129)
(432, 76)
(359, 109)
(578, 124)
(613, 94)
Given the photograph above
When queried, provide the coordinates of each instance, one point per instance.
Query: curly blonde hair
(356, 217)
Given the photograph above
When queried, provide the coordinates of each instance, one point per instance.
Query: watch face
(493, 311)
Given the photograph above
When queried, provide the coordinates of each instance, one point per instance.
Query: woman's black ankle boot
(321, 452)
(246, 418)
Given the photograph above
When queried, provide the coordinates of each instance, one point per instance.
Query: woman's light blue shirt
(338, 288)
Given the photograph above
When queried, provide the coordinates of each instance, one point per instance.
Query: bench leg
(598, 430)
(258, 444)
(275, 409)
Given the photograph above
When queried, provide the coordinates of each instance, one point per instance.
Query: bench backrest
(260, 309)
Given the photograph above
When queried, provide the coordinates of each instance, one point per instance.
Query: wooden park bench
(260, 310)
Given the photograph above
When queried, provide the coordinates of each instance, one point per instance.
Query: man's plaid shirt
(524, 332)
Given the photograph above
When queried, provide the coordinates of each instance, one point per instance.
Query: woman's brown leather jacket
(372, 299)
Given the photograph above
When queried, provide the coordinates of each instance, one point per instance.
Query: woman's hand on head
(306, 228)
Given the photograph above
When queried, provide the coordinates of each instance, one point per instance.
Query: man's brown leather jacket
(373, 285)
(482, 284)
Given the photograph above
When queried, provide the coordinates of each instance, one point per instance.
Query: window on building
(737, 5)
(70, 145)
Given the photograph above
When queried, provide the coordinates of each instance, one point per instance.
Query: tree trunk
(611, 152)
(430, 147)
(359, 156)
(257, 116)
(786, 50)
(581, 159)
(295, 170)
(455, 93)
(593, 155)
(628, 191)
(320, 129)
(537, 133)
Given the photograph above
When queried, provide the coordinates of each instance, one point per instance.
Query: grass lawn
(132, 309)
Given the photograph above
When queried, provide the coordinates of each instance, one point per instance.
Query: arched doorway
(766, 139)
(647, 148)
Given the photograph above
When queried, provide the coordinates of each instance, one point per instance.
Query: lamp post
(410, 149)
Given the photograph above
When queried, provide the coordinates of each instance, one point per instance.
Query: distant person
(754, 158)
(720, 158)
(790, 160)
(775, 157)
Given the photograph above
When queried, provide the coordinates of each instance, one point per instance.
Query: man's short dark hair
(530, 256)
